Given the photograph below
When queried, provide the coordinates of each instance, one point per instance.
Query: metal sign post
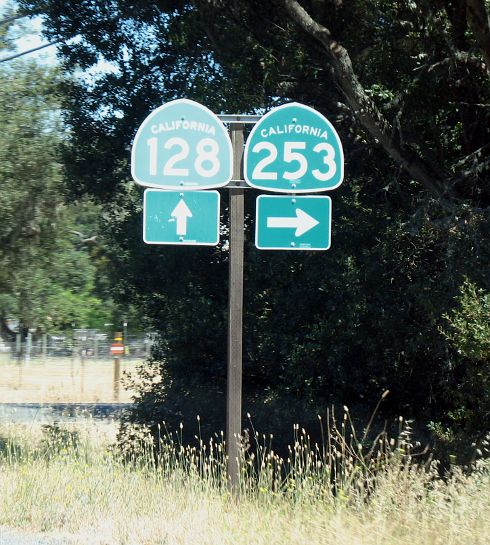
(235, 298)
(235, 314)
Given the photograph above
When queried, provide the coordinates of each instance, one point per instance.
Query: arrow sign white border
(182, 199)
(294, 221)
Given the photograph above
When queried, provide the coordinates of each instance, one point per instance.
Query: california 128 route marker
(182, 145)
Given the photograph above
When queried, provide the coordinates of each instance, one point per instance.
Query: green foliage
(320, 328)
(467, 328)
(469, 323)
(59, 442)
(31, 199)
(49, 279)
(6, 38)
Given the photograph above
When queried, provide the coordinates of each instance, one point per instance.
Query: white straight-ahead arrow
(181, 212)
(302, 222)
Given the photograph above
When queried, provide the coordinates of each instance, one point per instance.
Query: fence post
(117, 368)
(45, 346)
(28, 347)
(18, 346)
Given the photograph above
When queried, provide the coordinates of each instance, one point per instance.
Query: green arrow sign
(183, 218)
(293, 223)
(294, 149)
(182, 145)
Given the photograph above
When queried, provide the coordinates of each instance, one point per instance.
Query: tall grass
(348, 490)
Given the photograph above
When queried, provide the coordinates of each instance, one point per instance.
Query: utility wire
(12, 18)
(22, 53)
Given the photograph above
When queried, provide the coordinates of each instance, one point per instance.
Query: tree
(47, 277)
(31, 181)
(406, 85)
(468, 331)
(411, 47)
(432, 172)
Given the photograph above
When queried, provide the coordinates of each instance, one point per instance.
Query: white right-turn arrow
(302, 222)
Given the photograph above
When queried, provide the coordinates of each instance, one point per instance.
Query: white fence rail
(94, 346)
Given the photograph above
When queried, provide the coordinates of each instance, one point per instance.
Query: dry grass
(61, 380)
(67, 485)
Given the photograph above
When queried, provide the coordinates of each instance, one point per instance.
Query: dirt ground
(63, 380)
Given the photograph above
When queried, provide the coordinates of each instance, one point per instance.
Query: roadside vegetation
(71, 484)
(401, 302)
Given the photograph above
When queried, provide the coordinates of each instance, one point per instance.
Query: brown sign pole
(235, 314)
(237, 188)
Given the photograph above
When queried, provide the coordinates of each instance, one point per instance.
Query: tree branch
(480, 24)
(366, 111)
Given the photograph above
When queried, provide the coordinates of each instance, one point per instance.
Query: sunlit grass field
(63, 380)
(71, 484)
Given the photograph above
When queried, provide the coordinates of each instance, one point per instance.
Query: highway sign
(182, 145)
(293, 223)
(183, 218)
(294, 149)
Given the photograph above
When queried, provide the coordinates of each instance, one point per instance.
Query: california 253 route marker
(294, 149)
